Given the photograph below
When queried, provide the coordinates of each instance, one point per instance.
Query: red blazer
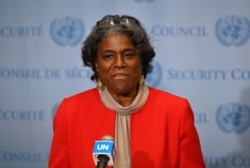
(163, 134)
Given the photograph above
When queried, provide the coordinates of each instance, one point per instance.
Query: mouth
(119, 75)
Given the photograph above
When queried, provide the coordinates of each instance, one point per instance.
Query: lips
(119, 75)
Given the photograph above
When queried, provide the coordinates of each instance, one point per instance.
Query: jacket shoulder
(164, 95)
(87, 94)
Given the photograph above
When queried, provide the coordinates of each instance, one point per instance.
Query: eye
(108, 56)
(129, 54)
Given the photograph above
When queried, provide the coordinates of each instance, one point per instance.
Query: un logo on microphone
(67, 31)
(233, 117)
(233, 30)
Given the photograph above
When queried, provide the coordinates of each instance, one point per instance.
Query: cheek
(99, 67)
(102, 69)
(138, 68)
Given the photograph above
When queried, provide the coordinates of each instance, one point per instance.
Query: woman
(151, 128)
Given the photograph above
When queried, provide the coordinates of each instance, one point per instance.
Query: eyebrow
(124, 50)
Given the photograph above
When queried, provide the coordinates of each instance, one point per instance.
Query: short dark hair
(124, 25)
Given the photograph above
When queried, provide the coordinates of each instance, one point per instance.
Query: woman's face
(119, 65)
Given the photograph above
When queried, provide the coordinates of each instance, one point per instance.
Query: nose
(119, 62)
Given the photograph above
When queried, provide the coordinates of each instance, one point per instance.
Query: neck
(124, 99)
(138, 101)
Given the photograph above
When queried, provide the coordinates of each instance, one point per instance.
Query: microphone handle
(103, 161)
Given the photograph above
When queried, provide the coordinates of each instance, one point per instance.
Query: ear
(96, 67)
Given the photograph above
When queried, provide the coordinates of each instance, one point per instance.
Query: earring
(142, 81)
(99, 84)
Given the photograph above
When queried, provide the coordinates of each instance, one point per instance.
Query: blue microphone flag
(104, 147)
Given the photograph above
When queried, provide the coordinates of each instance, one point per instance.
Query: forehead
(115, 42)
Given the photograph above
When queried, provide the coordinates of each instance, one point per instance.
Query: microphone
(104, 151)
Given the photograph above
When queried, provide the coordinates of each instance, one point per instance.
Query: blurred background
(202, 54)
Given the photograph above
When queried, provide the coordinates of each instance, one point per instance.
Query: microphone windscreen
(108, 137)
(104, 147)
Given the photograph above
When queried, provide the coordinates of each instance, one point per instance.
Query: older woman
(151, 128)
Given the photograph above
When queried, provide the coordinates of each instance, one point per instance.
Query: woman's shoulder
(162, 94)
(86, 94)
(168, 101)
